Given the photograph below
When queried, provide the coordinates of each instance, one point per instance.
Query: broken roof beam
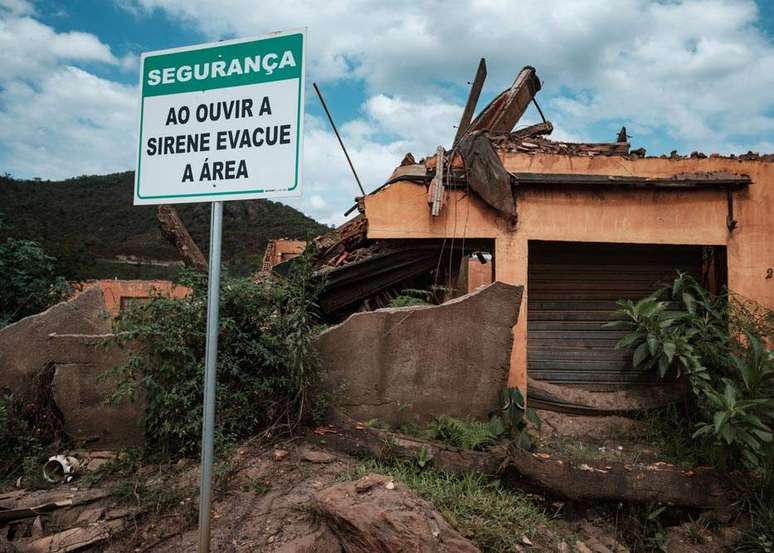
(470, 105)
(174, 230)
(538, 129)
(502, 113)
(721, 180)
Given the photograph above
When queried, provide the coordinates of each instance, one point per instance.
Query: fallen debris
(59, 520)
(420, 362)
(174, 230)
(377, 515)
(83, 314)
(486, 174)
(506, 109)
(470, 105)
(630, 482)
(577, 401)
(60, 468)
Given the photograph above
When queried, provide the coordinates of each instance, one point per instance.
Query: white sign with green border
(222, 121)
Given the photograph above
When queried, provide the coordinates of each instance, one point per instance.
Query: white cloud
(30, 49)
(72, 123)
(327, 176)
(58, 120)
(699, 73)
(698, 70)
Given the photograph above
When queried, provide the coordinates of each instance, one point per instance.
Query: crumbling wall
(73, 338)
(25, 348)
(120, 292)
(81, 390)
(413, 363)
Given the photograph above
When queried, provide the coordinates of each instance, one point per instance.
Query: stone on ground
(378, 515)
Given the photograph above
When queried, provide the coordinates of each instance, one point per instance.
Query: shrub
(718, 343)
(28, 281)
(268, 370)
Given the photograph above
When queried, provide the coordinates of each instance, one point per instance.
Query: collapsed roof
(363, 274)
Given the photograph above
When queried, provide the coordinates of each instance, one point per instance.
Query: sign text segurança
(203, 71)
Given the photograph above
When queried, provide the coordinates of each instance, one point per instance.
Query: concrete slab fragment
(411, 364)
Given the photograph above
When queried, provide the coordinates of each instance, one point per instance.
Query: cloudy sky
(681, 75)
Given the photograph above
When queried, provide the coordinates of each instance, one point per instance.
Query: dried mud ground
(265, 501)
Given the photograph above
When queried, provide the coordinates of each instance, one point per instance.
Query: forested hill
(87, 221)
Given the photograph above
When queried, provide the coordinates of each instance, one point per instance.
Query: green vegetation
(30, 430)
(29, 283)
(146, 489)
(758, 535)
(91, 218)
(412, 297)
(718, 343)
(469, 433)
(495, 518)
(268, 370)
(465, 433)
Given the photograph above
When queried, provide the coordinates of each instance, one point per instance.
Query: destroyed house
(579, 225)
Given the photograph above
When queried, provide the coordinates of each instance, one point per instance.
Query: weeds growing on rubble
(495, 518)
(268, 370)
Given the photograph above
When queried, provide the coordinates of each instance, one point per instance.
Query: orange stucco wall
(479, 274)
(601, 215)
(116, 290)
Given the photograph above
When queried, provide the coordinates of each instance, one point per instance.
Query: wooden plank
(436, 190)
(579, 334)
(502, 113)
(587, 365)
(589, 305)
(470, 105)
(647, 279)
(174, 230)
(566, 325)
(601, 316)
(638, 286)
(604, 354)
(571, 377)
(583, 295)
(571, 344)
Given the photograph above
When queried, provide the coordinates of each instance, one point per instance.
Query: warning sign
(222, 121)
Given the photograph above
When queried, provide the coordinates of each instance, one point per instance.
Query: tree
(28, 280)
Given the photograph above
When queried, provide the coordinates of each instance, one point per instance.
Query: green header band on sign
(259, 61)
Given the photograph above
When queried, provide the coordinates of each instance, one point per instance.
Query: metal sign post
(220, 121)
(210, 376)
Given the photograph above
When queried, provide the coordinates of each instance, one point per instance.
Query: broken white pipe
(60, 468)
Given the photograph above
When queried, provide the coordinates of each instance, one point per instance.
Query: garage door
(572, 290)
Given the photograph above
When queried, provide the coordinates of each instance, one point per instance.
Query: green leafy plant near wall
(718, 344)
(268, 370)
(512, 420)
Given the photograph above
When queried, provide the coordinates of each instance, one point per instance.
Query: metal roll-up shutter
(572, 291)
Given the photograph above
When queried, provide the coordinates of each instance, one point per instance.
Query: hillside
(89, 222)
